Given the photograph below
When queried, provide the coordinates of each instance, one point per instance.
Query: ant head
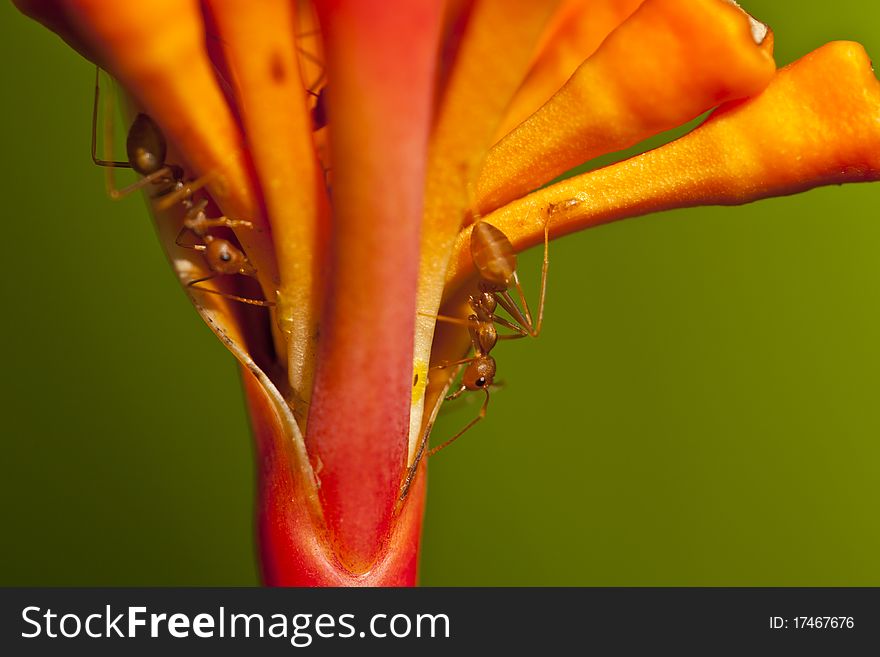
(145, 146)
(479, 374)
(225, 258)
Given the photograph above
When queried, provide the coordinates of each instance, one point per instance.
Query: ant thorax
(484, 335)
(484, 304)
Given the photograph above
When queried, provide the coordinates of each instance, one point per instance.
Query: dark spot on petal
(276, 68)
(415, 379)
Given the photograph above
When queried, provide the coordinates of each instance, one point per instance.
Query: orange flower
(357, 233)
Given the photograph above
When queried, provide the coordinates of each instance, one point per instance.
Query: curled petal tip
(760, 30)
(667, 63)
(817, 123)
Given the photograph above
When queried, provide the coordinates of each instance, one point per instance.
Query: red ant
(222, 256)
(146, 149)
(495, 261)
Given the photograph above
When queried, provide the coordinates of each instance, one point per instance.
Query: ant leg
(411, 471)
(108, 123)
(520, 331)
(507, 302)
(195, 247)
(424, 443)
(194, 284)
(192, 220)
(458, 393)
(446, 364)
(544, 267)
(447, 318)
(109, 178)
(186, 190)
(165, 173)
(112, 191)
(470, 424)
(525, 304)
(218, 222)
(468, 401)
(196, 221)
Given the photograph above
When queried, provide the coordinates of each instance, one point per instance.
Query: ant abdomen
(145, 146)
(493, 256)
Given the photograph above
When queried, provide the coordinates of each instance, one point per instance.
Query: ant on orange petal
(495, 262)
(494, 259)
(146, 149)
(221, 256)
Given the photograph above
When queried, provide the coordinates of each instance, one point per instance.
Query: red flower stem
(293, 538)
(380, 60)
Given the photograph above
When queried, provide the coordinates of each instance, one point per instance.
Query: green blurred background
(700, 409)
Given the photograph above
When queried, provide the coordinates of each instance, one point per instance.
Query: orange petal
(259, 41)
(489, 65)
(51, 14)
(574, 33)
(817, 123)
(156, 50)
(668, 63)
